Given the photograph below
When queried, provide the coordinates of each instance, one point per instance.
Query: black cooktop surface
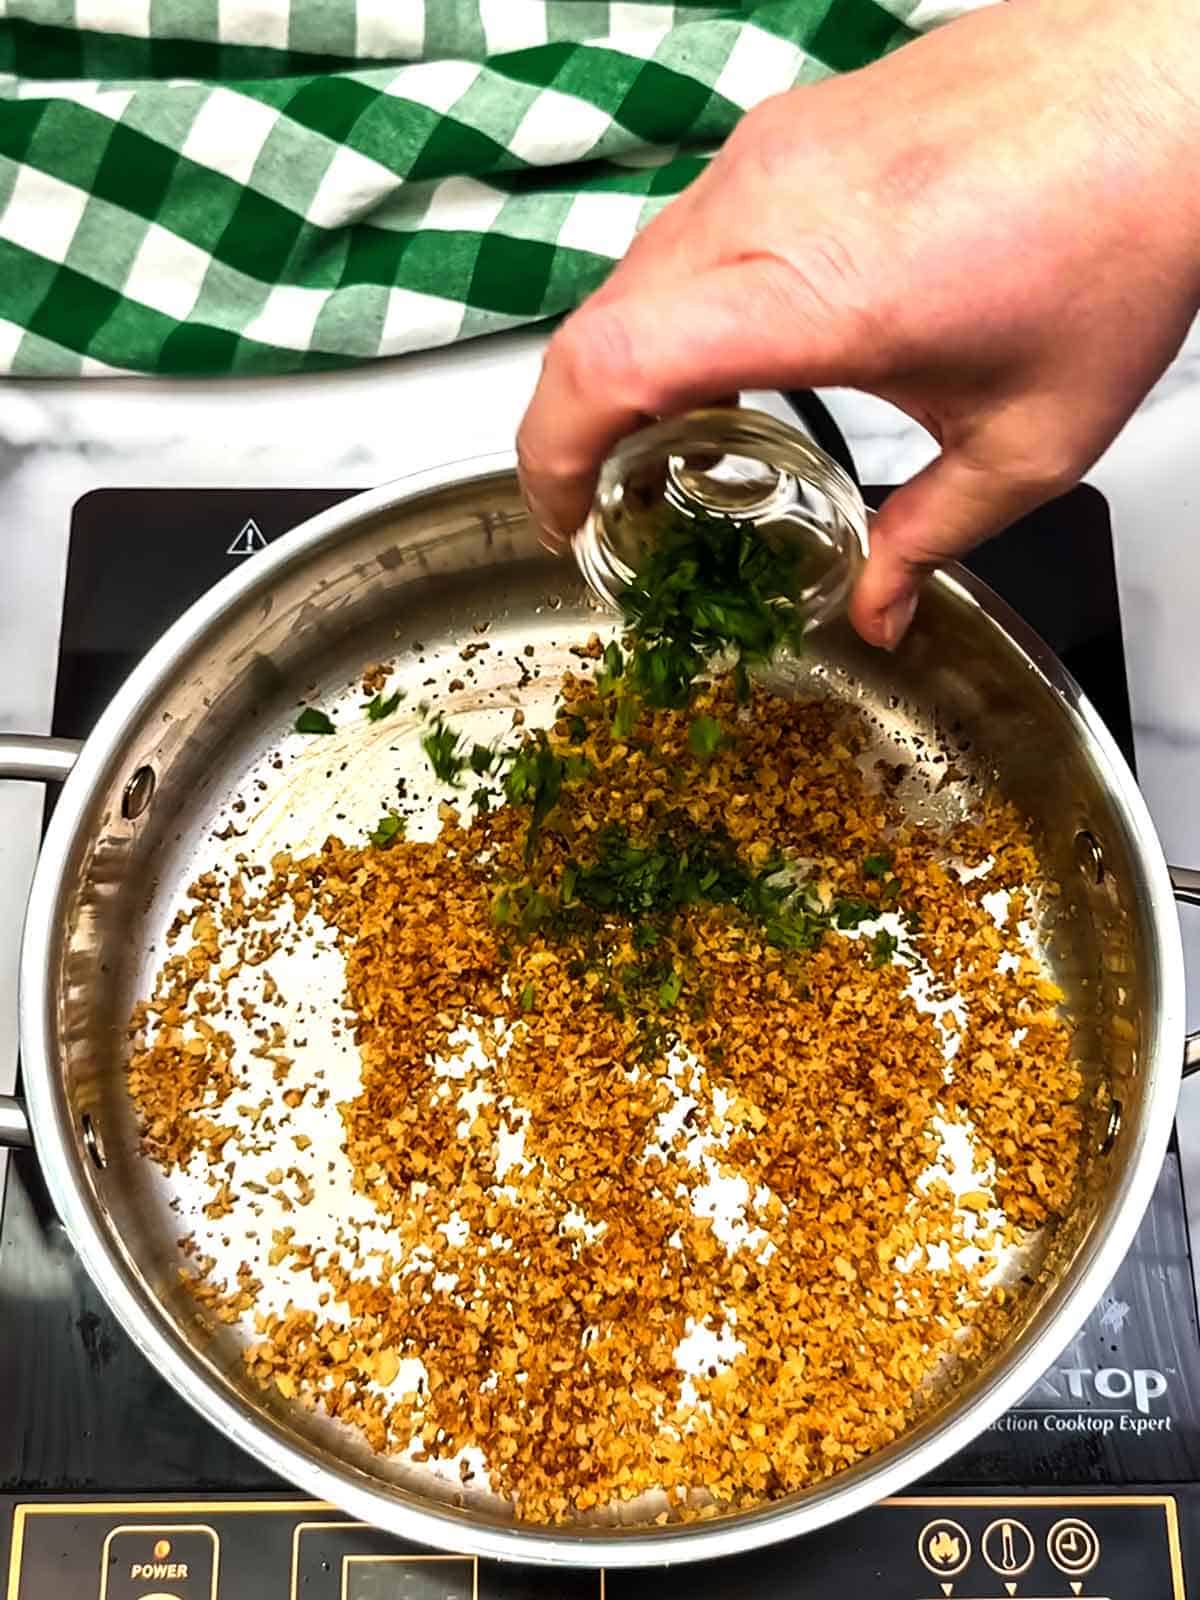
(111, 1486)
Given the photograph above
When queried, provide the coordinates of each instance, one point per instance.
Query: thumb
(946, 510)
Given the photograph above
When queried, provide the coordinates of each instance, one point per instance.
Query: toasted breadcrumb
(808, 1084)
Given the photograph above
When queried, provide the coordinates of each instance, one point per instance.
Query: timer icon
(1073, 1547)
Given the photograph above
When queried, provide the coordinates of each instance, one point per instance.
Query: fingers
(947, 509)
(626, 358)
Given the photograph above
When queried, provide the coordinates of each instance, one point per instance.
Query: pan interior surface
(424, 585)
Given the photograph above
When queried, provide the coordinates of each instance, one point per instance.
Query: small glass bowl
(743, 465)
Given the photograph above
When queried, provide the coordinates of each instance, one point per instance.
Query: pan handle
(1186, 883)
(14, 1124)
(39, 759)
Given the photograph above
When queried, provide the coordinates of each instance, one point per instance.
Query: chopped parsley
(877, 866)
(705, 736)
(535, 778)
(613, 670)
(387, 830)
(441, 745)
(534, 774)
(669, 989)
(883, 947)
(650, 883)
(849, 913)
(311, 720)
(521, 908)
(654, 880)
(707, 585)
(378, 708)
(625, 718)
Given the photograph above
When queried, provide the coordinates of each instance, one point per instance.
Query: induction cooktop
(111, 1487)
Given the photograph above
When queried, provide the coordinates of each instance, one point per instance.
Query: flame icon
(944, 1549)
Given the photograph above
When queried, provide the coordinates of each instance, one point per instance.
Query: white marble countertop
(58, 440)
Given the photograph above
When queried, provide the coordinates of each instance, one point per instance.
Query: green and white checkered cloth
(237, 186)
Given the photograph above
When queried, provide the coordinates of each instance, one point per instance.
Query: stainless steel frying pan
(413, 571)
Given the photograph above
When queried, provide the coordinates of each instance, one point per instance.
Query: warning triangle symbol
(250, 539)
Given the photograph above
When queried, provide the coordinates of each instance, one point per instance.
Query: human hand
(996, 229)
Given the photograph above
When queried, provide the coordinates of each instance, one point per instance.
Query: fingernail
(895, 620)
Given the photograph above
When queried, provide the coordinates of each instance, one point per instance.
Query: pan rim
(394, 1510)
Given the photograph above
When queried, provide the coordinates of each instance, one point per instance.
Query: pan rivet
(1089, 856)
(91, 1141)
(139, 792)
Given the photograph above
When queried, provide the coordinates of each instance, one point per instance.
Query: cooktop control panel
(1088, 1547)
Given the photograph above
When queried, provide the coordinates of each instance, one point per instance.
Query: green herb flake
(311, 720)
(625, 719)
(613, 670)
(883, 947)
(535, 778)
(877, 866)
(849, 913)
(669, 989)
(521, 908)
(794, 929)
(387, 830)
(378, 708)
(441, 746)
(707, 585)
(705, 736)
(528, 996)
